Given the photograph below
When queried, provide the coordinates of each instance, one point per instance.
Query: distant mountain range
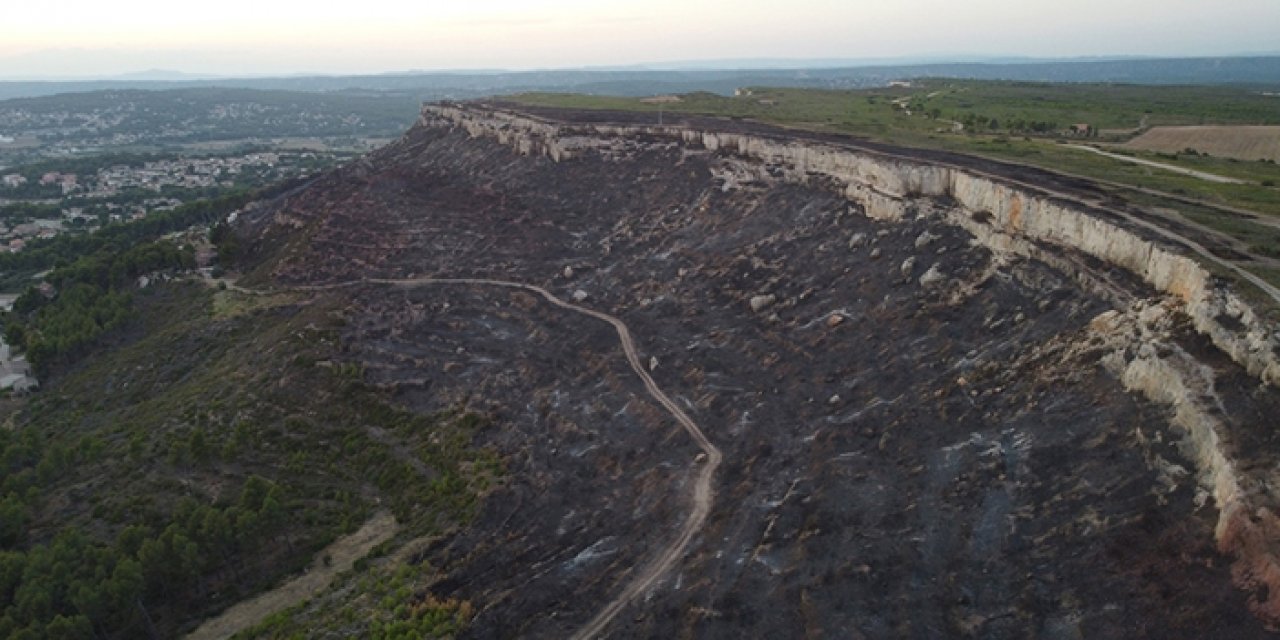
(846, 63)
(715, 76)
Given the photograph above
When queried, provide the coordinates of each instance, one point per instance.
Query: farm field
(1239, 142)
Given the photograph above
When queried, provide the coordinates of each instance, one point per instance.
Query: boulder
(908, 266)
(932, 277)
(762, 302)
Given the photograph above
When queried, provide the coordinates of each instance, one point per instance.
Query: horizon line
(767, 63)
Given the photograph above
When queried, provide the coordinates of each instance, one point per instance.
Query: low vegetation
(142, 492)
(384, 598)
(193, 445)
(42, 255)
(91, 299)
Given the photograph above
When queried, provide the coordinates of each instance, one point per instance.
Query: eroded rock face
(884, 185)
(987, 445)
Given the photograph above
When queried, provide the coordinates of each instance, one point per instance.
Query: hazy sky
(87, 37)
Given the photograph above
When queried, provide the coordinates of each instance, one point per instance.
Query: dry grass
(230, 303)
(1239, 142)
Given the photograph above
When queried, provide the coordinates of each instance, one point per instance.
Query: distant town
(53, 202)
(192, 121)
(77, 162)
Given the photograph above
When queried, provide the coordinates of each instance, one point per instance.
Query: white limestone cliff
(1011, 217)
(1020, 216)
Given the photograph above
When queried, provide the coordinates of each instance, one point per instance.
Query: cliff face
(885, 188)
(943, 410)
(1008, 217)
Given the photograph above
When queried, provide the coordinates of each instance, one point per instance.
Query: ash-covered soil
(905, 456)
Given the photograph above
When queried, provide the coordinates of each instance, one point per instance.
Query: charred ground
(902, 458)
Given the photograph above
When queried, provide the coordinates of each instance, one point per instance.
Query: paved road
(703, 492)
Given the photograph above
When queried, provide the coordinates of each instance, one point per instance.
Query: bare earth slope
(926, 432)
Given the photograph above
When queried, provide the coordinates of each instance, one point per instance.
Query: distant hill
(437, 85)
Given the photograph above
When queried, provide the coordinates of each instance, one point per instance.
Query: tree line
(90, 298)
(76, 587)
(62, 249)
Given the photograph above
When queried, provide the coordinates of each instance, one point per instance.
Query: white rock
(925, 239)
(1006, 217)
(875, 253)
(908, 266)
(1152, 315)
(932, 277)
(759, 303)
(857, 240)
(835, 399)
(580, 295)
(568, 272)
(653, 362)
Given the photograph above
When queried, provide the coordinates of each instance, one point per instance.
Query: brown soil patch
(1240, 142)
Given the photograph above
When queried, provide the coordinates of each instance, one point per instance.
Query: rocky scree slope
(950, 403)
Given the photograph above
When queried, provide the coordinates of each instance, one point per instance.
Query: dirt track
(1211, 177)
(342, 555)
(703, 494)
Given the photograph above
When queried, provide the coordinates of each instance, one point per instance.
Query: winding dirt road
(703, 493)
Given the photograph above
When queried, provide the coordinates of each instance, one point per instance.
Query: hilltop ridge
(953, 396)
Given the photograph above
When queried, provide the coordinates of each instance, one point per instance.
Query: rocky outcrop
(1014, 215)
(1147, 362)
